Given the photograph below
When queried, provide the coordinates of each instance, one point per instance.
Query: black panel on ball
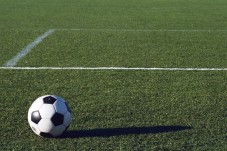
(45, 134)
(57, 119)
(49, 100)
(35, 117)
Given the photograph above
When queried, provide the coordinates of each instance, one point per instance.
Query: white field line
(113, 68)
(12, 62)
(125, 30)
(141, 30)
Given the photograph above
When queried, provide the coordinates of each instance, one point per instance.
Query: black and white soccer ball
(49, 116)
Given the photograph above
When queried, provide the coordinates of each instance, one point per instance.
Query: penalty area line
(12, 62)
(113, 68)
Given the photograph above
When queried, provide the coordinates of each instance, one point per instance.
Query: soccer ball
(49, 116)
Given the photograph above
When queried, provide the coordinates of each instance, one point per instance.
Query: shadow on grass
(108, 132)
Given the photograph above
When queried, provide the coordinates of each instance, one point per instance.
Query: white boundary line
(12, 62)
(141, 30)
(126, 30)
(113, 68)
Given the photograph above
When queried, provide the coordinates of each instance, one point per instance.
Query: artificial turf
(117, 109)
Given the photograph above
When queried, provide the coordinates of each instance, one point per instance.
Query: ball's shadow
(108, 132)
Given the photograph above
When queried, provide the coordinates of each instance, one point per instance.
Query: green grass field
(117, 109)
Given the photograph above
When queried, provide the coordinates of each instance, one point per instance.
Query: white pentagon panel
(60, 106)
(45, 125)
(36, 105)
(47, 111)
(34, 128)
(67, 119)
(58, 130)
